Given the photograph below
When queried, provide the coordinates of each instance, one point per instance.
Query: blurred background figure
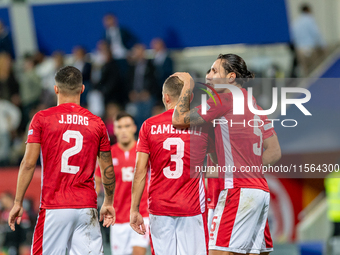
(162, 61)
(112, 109)
(119, 39)
(307, 40)
(6, 44)
(80, 62)
(46, 71)
(13, 242)
(10, 117)
(142, 85)
(30, 88)
(9, 86)
(332, 187)
(109, 82)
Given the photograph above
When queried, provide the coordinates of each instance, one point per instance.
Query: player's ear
(82, 89)
(56, 89)
(167, 98)
(231, 77)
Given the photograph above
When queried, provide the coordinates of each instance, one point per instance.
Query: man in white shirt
(308, 40)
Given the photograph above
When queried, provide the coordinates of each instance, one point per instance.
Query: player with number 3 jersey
(68, 138)
(176, 198)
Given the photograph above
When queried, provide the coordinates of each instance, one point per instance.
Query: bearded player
(68, 138)
(176, 192)
(240, 218)
(123, 239)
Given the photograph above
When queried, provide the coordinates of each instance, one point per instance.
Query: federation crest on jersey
(115, 161)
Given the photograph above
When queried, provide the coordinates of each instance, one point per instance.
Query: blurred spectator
(13, 240)
(98, 60)
(110, 79)
(332, 184)
(10, 117)
(120, 41)
(142, 84)
(157, 109)
(80, 62)
(162, 61)
(9, 87)
(308, 40)
(46, 71)
(30, 89)
(112, 110)
(6, 44)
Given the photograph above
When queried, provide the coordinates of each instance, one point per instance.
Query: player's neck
(170, 106)
(65, 100)
(128, 146)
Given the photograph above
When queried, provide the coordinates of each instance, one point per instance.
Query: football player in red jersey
(122, 238)
(177, 203)
(69, 139)
(239, 225)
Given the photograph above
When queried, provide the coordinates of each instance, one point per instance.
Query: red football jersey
(238, 142)
(124, 165)
(174, 188)
(70, 138)
(215, 186)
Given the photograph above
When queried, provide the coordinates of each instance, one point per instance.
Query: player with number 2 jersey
(69, 139)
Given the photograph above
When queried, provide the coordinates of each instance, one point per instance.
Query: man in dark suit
(6, 44)
(162, 61)
(119, 39)
(142, 83)
(80, 62)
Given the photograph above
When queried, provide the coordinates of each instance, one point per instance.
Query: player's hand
(186, 78)
(108, 214)
(15, 215)
(137, 223)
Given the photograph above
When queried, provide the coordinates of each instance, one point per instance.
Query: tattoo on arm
(193, 118)
(184, 102)
(109, 173)
(105, 156)
(109, 188)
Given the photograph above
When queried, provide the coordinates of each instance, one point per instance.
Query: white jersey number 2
(65, 167)
(178, 142)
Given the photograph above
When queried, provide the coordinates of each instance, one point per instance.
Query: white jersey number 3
(65, 167)
(176, 157)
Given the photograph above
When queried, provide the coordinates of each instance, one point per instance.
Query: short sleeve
(214, 109)
(268, 128)
(143, 143)
(104, 139)
(35, 129)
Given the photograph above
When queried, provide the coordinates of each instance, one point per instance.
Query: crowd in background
(118, 75)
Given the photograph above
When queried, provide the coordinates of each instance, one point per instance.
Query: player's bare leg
(136, 250)
(215, 252)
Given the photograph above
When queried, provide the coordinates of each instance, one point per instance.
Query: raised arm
(109, 182)
(25, 176)
(272, 152)
(183, 117)
(138, 184)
